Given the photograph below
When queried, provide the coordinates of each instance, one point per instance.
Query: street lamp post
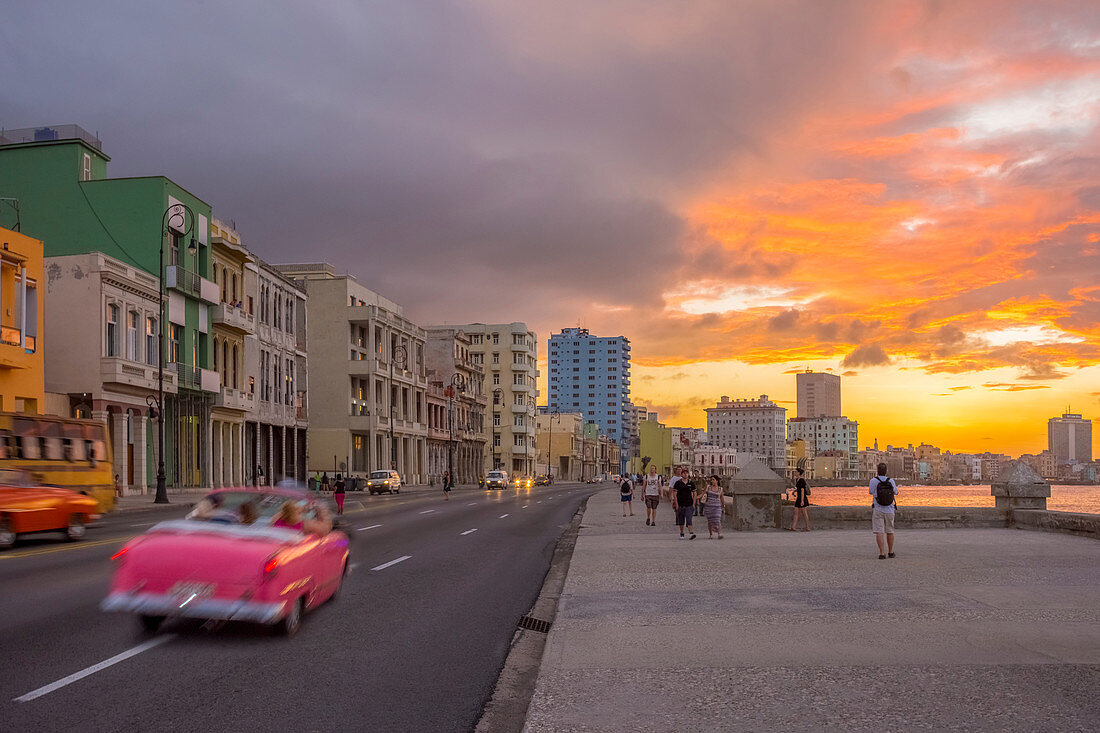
(399, 355)
(555, 415)
(186, 217)
(458, 384)
(498, 397)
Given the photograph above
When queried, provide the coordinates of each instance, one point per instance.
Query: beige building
(372, 411)
(560, 440)
(452, 372)
(508, 352)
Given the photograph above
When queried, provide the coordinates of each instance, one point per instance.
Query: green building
(63, 196)
(655, 441)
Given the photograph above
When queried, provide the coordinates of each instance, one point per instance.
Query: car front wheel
(150, 624)
(76, 529)
(7, 534)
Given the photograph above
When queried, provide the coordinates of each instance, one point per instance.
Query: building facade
(372, 412)
(508, 353)
(560, 440)
(1069, 438)
(59, 176)
(591, 375)
(829, 435)
(818, 394)
(750, 426)
(22, 314)
(451, 366)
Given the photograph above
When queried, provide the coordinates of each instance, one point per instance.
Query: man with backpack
(883, 490)
(626, 494)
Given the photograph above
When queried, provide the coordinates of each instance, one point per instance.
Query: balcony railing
(192, 377)
(186, 281)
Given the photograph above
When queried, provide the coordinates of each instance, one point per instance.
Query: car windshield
(379, 474)
(496, 474)
(267, 504)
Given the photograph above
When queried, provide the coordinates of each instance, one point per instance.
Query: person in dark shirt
(801, 501)
(683, 501)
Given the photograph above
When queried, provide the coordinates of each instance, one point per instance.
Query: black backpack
(624, 487)
(884, 493)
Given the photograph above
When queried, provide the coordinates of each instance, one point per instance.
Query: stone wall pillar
(119, 447)
(1018, 486)
(756, 501)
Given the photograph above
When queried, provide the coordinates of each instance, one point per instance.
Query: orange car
(25, 508)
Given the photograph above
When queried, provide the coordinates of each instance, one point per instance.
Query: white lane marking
(525, 506)
(427, 511)
(472, 503)
(385, 565)
(502, 516)
(364, 529)
(143, 524)
(94, 668)
(538, 502)
(353, 566)
(468, 531)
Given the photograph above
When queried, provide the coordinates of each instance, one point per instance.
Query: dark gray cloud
(866, 355)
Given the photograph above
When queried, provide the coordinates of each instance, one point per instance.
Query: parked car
(542, 480)
(388, 481)
(496, 480)
(217, 568)
(26, 508)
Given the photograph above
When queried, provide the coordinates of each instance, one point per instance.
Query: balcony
(236, 319)
(191, 377)
(115, 370)
(181, 279)
(521, 367)
(234, 399)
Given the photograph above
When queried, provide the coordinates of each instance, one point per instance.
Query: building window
(86, 168)
(133, 319)
(234, 290)
(496, 339)
(496, 419)
(496, 358)
(235, 366)
(152, 346)
(112, 329)
(225, 362)
(215, 354)
(175, 336)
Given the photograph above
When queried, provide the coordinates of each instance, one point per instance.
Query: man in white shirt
(882, 514)
(652, 483)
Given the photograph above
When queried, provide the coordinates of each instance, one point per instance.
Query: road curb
(506, 710)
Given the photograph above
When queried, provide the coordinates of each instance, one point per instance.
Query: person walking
(324, 481)
(339, 495)
(883, 490)
(652, 492)
(712, 506)
(801, 501)
(683, 501)
(626, 494)
(447, 485)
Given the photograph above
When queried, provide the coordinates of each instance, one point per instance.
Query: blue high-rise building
(591, 375)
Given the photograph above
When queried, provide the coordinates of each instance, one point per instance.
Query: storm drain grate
(535, 624)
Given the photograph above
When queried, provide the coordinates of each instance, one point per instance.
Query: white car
(496, 480)
(388, 481)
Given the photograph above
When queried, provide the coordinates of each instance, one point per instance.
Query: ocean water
(1062, 498)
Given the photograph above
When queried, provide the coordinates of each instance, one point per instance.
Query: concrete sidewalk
(975, 629)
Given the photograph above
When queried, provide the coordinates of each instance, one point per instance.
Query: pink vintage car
(216, 566)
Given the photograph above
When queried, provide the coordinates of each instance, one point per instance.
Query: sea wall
(917, 517)
(1078, 523)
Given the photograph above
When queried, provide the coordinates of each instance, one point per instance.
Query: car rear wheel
(7, 534)
(290, 623)
(150, 624)
(76, 529)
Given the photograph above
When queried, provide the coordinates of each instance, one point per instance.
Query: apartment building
(560, 439)
(750, 426)
(452, 370)
(591, 375)
(817, 394)
(829, 435)
(1069, 438)
(22, 364)
(372, 410)
(508, 353)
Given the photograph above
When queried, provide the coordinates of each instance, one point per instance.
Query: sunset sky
(905, 193)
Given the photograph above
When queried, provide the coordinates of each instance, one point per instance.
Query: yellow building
(22, 367)
(655, 443)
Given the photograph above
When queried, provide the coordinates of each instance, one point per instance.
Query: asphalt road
(416, 645)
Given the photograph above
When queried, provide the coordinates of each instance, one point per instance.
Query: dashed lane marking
(502, 516)
(364, 529)
(468, 531)
(427, 511)
(472, 503)
(525, 506)
(385, 565)
(46, 690)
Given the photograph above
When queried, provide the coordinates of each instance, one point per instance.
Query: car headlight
(385, 482)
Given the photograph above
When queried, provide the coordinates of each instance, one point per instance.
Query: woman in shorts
(626, 494)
